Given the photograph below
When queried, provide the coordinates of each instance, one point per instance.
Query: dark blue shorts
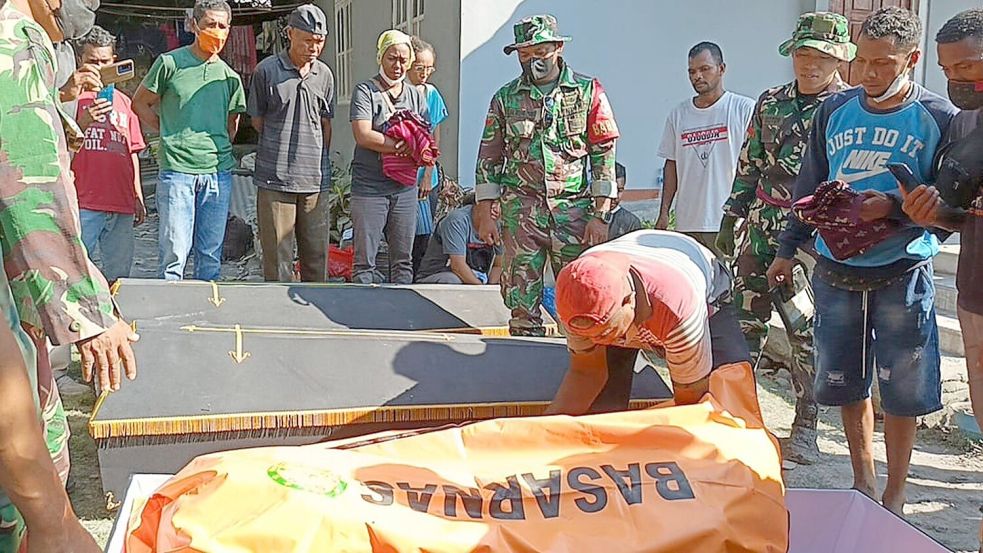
(898, 337)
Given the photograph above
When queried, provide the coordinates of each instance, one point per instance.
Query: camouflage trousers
(532, 235)
(754, 305)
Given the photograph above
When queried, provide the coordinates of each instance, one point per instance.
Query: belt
(771, 200)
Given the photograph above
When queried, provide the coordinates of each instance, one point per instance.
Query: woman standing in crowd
(429, 179)
(380, 205)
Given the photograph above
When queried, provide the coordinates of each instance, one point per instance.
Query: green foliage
(339, 200)
(650, 224)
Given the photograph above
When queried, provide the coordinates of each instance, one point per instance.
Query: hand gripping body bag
(704, 477)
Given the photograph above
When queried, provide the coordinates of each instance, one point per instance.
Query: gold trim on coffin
(240, 422)
(216, 300)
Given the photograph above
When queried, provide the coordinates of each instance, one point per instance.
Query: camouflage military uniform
(57, 292)
(769, 163)
(533, 157)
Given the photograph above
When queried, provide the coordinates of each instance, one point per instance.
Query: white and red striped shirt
(682, 280)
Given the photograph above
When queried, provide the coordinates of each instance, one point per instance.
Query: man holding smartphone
(875, 314)
(107, 169)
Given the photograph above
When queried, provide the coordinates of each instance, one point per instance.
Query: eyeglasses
(425, 69)
(548, 111)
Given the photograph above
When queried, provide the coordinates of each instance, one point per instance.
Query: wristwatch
(604, 216)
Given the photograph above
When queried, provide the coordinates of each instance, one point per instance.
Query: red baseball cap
(592, 287)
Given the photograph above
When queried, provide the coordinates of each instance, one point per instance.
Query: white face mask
(899, 83)
(385, 78)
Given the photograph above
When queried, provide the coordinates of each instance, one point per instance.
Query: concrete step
(946, 265)
(948, 259)
(950, 335)
(963, 419)
(945, 294)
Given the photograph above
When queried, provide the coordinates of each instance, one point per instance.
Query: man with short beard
(762, 196)
(875, 312)
(540, 132)
(701, 144)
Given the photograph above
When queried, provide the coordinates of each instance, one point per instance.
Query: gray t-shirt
(454, 235)
(291, 156)
(368, 104)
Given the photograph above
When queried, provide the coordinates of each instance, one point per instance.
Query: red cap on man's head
(592, 287)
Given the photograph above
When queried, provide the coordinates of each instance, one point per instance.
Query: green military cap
(824, 31)
(534, 30)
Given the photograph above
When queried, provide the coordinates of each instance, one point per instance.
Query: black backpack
(959, 169)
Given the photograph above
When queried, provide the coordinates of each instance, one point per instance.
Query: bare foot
(894, 503)
(868, 490)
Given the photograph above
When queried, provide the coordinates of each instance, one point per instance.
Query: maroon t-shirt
(970, 272)
(103, 168)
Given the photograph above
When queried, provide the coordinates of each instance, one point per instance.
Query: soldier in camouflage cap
(762, 193)
(538, 29)
(541, 131)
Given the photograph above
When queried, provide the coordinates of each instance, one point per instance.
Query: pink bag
(408, 127)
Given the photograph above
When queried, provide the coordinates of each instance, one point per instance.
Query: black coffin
(444, 308)
(207, 388)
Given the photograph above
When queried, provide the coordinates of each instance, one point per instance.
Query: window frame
(407, 15)
(343, 51)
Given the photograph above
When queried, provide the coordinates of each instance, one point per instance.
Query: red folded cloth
(409, 127)
(834, 209)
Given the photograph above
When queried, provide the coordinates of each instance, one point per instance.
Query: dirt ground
(945, 489)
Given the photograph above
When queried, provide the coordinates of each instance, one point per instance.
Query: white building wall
(637, 48)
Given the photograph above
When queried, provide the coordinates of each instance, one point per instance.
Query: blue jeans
(111, 234)
(892, 331)
(193, 211)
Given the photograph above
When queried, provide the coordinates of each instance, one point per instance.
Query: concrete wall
(637, 48)
(934, 15)
(440, 27)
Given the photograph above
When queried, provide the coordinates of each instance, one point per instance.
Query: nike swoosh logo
(861, 175)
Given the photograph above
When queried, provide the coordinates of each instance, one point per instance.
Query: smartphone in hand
(117, 72)
(904, 175)
(107, 93)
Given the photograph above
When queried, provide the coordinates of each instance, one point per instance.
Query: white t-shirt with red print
(705, 143)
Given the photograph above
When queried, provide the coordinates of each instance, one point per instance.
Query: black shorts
(727, 346)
